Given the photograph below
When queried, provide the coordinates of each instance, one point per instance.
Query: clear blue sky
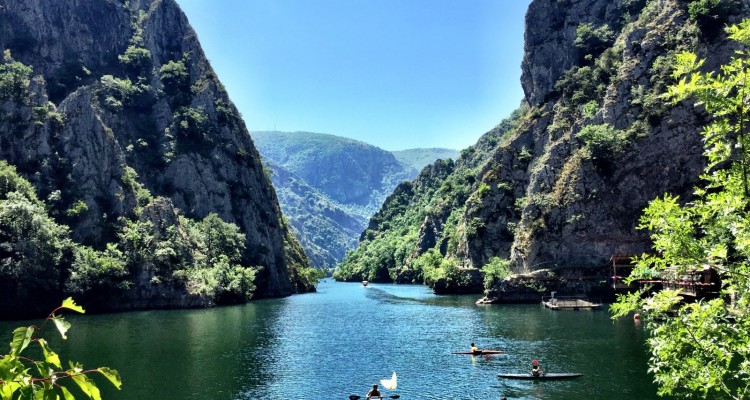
(394, 73)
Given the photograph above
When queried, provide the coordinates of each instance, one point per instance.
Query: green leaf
(112, 375)
(66, 393)
(49, 355)
(21, 339)
(45, 371)
(71, 305)
(87, 386)
(62, 325)
(8, 389)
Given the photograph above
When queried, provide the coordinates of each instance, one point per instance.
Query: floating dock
(570, 303)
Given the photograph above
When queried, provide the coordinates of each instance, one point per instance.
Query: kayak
(549, 375)
(479, 352)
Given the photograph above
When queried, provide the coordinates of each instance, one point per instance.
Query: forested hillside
(420, 158)
(418, 220)
(329, 186)
(326, 229)
(560, 187)
(134, 153)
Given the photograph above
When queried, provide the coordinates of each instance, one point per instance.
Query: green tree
(22, 377)
(702, 349)
(97, 270)
(495, 271)
(137, 60)
(594, 39)
(217, 271)
(216, 238)
(14, 77)
(175, 76)
(603, 141)
(32, 245)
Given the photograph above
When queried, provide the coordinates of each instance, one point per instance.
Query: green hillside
(420, 158)
(329, 186)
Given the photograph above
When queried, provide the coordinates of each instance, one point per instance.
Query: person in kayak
(536, 370)
(474, 349)
(374, 393)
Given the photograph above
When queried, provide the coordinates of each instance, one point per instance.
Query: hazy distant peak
(420, 158)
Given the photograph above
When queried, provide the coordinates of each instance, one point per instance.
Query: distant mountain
(329, 186)
(420, 158)
(323, 227)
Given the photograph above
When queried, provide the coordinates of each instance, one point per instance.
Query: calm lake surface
(341, 340)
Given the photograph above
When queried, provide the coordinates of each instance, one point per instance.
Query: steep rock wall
(537, 190)
(190, 146)
(580, 208)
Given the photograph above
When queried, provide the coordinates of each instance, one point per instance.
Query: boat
(364, 283)
(549, 375)
(479, 352)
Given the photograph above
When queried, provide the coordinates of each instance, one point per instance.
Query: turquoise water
(341, 340)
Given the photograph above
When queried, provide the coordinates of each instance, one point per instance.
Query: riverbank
(592, 283)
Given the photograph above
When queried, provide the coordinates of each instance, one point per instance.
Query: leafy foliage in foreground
(22, 377)
(702, 350)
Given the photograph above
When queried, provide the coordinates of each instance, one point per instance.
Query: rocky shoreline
(592, 283)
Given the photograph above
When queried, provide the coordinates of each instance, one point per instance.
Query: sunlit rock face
(184, 139)
(541, 192)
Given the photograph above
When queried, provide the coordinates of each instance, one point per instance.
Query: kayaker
(374, 393)
(474, 349)
(536, 370)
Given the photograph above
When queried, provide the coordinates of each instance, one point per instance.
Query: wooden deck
(562, 303)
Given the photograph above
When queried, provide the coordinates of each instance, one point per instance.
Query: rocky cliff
(562, 187)
(582, 197)
(122, 104)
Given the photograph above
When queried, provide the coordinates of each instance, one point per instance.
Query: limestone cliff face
(550, 34)
(577, 207)
(538, 190)
(98, 65)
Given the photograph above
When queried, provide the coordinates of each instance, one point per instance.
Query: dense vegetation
(702, 349)
(392, 248)
(330, 186)
(40, 262)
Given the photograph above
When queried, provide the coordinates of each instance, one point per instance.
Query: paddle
(393, 396)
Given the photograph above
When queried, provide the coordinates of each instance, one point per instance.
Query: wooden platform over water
(570, 303)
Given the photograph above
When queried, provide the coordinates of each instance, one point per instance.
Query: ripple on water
(341, 340)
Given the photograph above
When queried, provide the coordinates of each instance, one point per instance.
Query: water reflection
(346, 337)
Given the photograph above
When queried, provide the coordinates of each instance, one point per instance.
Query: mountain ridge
(315, 175)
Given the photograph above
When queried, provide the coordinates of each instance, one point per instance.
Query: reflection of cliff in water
(418, 294)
